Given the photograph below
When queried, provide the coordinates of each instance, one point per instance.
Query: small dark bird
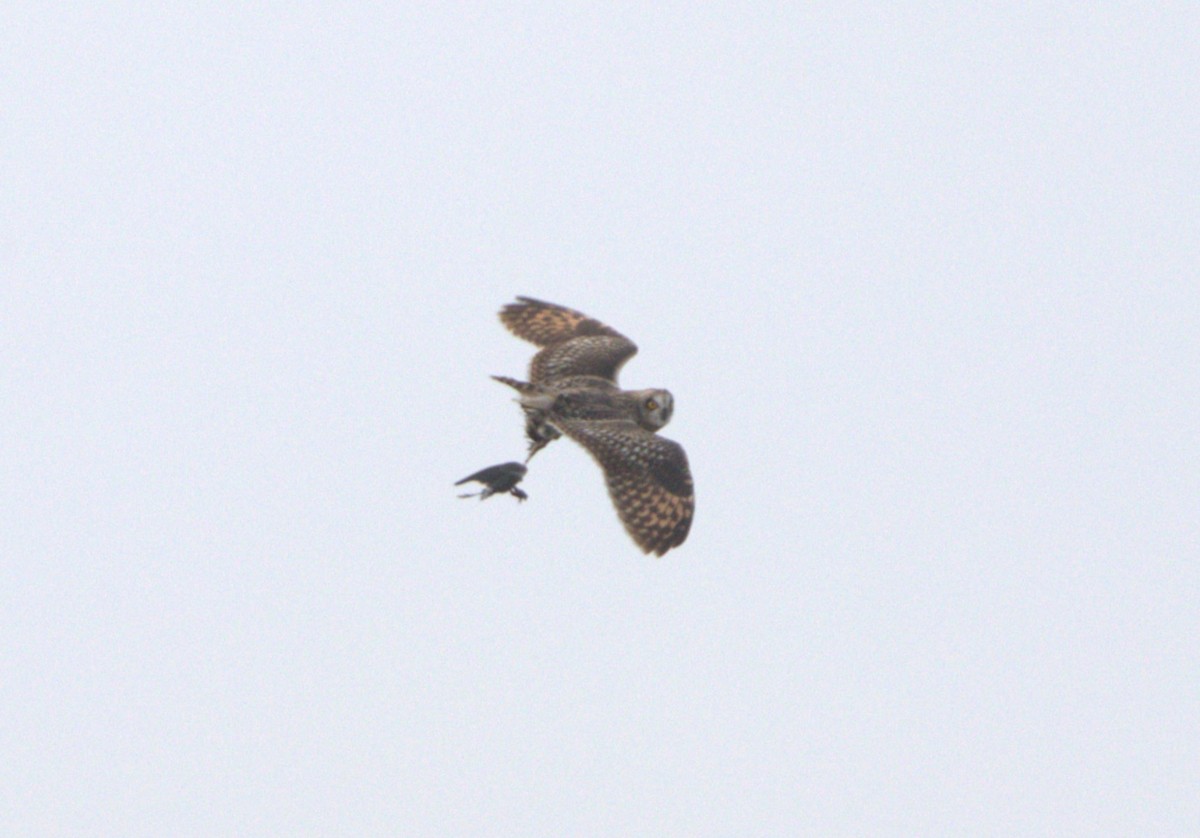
(496, 479)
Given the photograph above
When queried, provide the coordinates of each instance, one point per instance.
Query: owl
(572, 390)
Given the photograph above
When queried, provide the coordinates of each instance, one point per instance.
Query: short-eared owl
(572, 390)
(497, 479)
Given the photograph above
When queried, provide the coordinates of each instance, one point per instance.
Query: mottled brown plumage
(572, 390)
(573, 344)
(647, 477)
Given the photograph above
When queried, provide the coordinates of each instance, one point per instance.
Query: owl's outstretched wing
(648, 480)
(572, 343)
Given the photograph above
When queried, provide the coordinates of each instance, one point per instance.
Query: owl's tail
(522, 387)
(535, 403)
(532, 397)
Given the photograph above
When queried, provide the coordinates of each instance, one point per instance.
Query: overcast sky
(925, 285)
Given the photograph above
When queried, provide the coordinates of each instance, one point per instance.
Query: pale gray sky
(924, 284)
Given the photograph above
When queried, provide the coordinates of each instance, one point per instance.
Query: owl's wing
(648, 479)
(572, 343)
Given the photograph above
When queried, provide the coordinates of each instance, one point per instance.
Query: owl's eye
(651, 404)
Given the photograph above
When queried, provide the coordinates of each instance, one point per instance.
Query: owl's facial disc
(656, 408)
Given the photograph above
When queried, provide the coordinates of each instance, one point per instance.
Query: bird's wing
(493, 475)
(572, 343)
(648, 479)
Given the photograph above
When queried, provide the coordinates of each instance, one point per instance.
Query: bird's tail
(521, 387)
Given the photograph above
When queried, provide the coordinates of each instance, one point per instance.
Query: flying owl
(572, 390)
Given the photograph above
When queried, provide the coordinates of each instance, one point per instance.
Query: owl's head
(654, 408)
